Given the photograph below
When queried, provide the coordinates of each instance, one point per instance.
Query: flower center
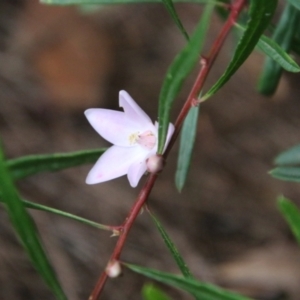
(133, 138)
(147, 139)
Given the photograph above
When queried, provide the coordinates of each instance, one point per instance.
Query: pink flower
(134, 139)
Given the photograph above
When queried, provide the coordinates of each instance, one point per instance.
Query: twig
(206, 64)
(140, 201)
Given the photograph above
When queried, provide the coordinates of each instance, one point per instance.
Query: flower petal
(171, 129)
(112, 125)
(136, 171)
(113, 163)
(134, 112)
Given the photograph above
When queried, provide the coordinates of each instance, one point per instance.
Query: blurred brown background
(57, 61)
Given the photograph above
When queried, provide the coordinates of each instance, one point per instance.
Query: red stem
(136, 208)
(206, 64)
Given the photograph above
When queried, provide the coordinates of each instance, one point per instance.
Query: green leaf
(32, 205)
(286, 173)
(261, 13)
(151, 292)
(84, 2)
(288, 165)
(172, 11)
(295, 3)
(289, 157)
(174, 251)
(274, 51)
(26, 230)
(32, 164)
(291, 214)
(89, 8)
(283, 35)
(187, 140)
(204, 291)
(177, 73)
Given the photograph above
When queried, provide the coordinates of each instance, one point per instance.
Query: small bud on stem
(113, 269)
(155, 164)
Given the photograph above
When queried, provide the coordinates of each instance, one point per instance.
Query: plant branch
(192, 100)
(135, 210)
(206, 64)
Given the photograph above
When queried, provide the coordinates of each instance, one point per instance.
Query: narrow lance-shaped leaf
(288, 163)
(151, 292)
(32, 164)
(174, 251)
(61, 213)
(286, 173)
(295, 3)
(32, 205)
(204, 291)
(172, 11)
(289, 157)
(275, 52)
(283, 35)
(261, 13)
(291, 214)
(26, 230)
(177, 73)
(84, 2)
(187, 140)
(89, 8)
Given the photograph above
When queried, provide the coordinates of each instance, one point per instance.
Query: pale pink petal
(136, 171)
(113, 126)
(113, 163)
(171, 129)
(134, 112)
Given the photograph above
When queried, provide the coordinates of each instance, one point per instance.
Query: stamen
(133, 138)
